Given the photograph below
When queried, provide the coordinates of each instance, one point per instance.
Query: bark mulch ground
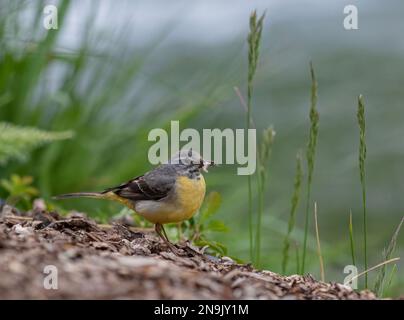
(117, 262)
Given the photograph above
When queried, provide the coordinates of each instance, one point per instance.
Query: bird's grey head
(190, 157)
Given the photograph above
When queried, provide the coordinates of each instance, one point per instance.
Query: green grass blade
(390, 280)
(362, 158)
(351, 238)
(310, 156)
(320, 255)
(254, 39)
(292, 216)
(297, 258)
(378, 288)
(264, 154)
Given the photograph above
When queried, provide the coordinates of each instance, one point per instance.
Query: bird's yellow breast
(180, 206)
(190, 194)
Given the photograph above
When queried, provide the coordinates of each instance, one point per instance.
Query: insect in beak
(204, 165)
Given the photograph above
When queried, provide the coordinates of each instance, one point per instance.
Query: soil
(119, 262)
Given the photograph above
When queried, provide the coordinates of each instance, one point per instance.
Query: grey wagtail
(171, 192)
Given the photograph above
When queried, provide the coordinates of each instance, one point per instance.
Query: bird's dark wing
(154, 185)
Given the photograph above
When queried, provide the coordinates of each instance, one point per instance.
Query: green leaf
(211, 205)
(19, 189)
(217, 226)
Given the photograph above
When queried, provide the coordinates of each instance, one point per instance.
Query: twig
(371, 269)
(320, 256)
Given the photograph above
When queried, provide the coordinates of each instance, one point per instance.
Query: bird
(170, 193)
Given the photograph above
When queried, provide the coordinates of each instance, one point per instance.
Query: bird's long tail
(96, 195)
(108, 195)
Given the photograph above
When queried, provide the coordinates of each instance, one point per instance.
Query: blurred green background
(115, 70)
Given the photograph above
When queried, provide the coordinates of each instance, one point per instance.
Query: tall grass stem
(310, 156)
(362, 158)
(254, 39)
(292, 217)
(351, 238)
(320, 256)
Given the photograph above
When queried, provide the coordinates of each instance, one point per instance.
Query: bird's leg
(172, 246)
(179, 228)
(163, 235)
(157, 228)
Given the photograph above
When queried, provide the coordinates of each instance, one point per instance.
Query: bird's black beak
(204, 165)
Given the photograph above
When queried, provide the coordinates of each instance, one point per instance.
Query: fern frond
(17, 142)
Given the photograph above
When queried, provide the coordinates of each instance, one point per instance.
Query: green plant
(16, 142)
(265, 150)
(297, 258)
(203, 224)
(292, 217)
(254, 39)
(19, 189)
(264, 154)
(362, 158)
(387, 253)
(310, 157)
(351, 239)
(319, 253)
(390, 280)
